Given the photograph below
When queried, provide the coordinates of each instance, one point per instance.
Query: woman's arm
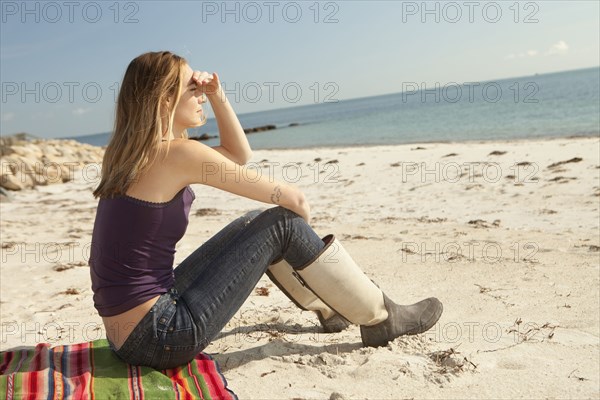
(198, 163)
(234, 144)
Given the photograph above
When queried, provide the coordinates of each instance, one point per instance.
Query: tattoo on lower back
(276, 195)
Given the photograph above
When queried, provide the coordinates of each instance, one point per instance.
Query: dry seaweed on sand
(449, 361)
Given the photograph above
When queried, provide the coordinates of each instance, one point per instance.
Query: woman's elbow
(243, 159)
(301, 201)
(293, 198)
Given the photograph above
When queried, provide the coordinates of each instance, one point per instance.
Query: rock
(204, 136)
(13, 175)
(5, 195)
(34, 168)
(17, 138)
(28, 163)
(5, 150)
(259, 129)
(27, 151)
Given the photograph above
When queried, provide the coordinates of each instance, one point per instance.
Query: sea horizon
(555, 104)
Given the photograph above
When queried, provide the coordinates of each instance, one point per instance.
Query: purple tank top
(133, 249)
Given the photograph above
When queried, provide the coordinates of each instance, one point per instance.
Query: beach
(505, 233)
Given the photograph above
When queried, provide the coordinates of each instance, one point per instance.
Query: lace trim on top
(158, 204)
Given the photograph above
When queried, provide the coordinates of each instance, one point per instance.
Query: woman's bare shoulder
(181, 150)
(186, 156)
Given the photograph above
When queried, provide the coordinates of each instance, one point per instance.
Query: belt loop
(154, 326)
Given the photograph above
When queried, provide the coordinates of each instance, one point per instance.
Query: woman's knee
(280, 212)
(250, 215)
(273, 214)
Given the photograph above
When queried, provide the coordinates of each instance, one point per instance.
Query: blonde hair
(149, 93)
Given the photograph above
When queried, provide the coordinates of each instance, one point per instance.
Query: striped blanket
(92, 371)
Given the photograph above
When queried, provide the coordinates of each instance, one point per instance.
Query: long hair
(150, 81)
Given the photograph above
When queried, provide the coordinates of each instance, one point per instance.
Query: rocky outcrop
(204, 136)
(263, 128)
(259, 129)
(27, 162)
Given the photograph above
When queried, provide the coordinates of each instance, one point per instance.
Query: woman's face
(189, 113)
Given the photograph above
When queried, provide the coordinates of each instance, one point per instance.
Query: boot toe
(403, 320)
(432, 311)
(416, 318)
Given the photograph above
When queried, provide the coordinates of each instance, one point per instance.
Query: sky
(61, 62)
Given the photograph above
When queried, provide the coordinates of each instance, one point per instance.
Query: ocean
(557, 104)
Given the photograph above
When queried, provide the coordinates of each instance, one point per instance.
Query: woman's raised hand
(208, 83)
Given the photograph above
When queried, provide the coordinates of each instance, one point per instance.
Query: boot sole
(378, 335)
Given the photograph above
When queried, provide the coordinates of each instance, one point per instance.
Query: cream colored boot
(283, 275)
(336, 279)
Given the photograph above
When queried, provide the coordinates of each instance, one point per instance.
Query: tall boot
(285, 278)
(336, 279)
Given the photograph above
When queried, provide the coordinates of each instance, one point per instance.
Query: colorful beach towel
(92, 371)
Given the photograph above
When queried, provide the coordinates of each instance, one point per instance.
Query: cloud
(186, 51)
(528, 53)
(9, 116)
(560, 48)
(42, 115)
(81, 111)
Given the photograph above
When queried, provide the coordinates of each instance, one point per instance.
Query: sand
(509, 243)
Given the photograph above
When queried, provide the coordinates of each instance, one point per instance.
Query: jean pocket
(175, 326)
(176, 356)
(177, 336)
(162, 318)
(179, 341)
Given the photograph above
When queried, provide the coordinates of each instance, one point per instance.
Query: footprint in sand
(511, 364)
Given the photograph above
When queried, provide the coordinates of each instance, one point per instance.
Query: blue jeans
(213, 282)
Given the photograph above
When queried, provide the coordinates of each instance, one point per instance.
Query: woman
(162, 317)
